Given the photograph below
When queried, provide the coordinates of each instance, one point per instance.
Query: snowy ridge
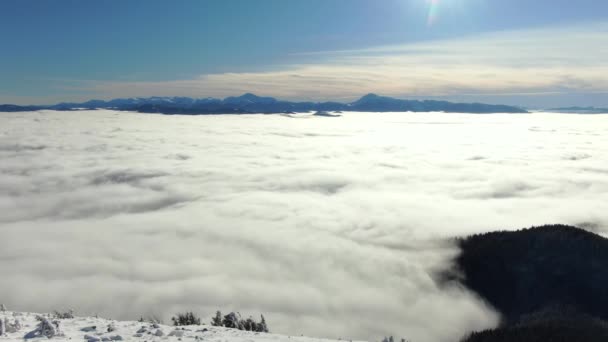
(94, 329)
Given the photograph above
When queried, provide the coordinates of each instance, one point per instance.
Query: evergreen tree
(231, 321)
(250, 324)
(217, 320)
(240, 322)
(187, 318)
(262, 327)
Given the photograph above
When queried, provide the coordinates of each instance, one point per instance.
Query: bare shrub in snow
(63, 315)
(154, 319)
(392, 339)
(2, 307)
(45, 328)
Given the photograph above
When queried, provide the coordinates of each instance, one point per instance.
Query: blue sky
(472, 50)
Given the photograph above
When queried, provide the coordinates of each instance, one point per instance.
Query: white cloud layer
(330, 226)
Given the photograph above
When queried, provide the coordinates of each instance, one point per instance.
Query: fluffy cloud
(330, 226)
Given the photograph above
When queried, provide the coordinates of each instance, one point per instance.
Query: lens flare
(433, 12)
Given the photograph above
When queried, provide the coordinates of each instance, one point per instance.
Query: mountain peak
(249, 98)
(369, 96)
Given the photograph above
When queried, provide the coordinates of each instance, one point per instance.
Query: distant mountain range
(250, 103)
(581, 110)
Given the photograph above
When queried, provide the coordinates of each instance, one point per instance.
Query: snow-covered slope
(95, 329)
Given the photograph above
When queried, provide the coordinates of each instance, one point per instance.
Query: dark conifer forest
(548, 282)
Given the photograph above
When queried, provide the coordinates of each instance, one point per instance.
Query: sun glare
(433, 11)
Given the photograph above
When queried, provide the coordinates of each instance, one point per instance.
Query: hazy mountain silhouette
(250, 103)
(580, 110)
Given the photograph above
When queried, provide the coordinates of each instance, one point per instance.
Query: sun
(438, 9)
(433, 11)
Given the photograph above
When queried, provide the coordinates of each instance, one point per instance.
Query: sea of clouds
(331, 227)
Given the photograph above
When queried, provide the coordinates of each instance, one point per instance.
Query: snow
(95, 329)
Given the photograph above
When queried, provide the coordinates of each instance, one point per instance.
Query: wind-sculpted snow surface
(330, 227)
(95, 329)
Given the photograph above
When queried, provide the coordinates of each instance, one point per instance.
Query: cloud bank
(329, 226)
(540, 66)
